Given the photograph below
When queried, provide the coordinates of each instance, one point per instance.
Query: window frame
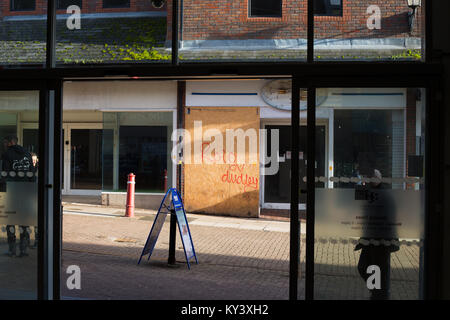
(59, 7)
(105, 6)
(309, 74)
(11, 6)
(250, 15)
(328, 6)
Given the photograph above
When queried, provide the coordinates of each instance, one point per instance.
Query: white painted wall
(373, 98)
(356, 98)
(120, 95)
(19, 100)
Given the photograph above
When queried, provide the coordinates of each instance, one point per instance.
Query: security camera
(158, 3)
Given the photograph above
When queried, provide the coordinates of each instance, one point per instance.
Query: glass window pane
(119, 31)
(19, 163)
(328, 7)
(265, 8)
(23, 26)
(369, 227)
(85, 159)
(243, 30)
(64, 4)
(23, 5)
(137, 143)
(368, 30)
(234, 230)
(116, 3)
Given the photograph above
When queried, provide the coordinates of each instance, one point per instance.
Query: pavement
(239, 259)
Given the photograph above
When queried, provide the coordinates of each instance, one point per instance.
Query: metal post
(51, 35)
(175, 32)
(294, 223)
(172, 237)
(310, 32)
(310, 196)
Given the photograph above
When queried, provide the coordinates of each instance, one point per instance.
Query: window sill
(328, 18)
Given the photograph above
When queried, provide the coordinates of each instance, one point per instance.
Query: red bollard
(129, 212)
(165, 180)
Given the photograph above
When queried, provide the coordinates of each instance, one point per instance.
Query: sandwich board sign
(171, 204)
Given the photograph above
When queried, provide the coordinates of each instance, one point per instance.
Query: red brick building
(219, 19)
(39, 7)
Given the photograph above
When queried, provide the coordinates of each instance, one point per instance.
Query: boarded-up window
(216, 182)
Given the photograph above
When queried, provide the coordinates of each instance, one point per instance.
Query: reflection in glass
(19, 161)
(23, 26)
(368, 30)
(115, 31)
(143, 151)
(243, 30)
(369, 226)
(276, 188)
(137, 143)
(85, 159)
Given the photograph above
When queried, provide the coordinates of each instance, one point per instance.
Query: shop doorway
(275, 191)
(82, 159)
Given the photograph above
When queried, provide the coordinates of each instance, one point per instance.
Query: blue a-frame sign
(175, 204)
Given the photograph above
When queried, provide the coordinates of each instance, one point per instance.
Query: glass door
(366, 224)
(276, 190)
(82, 162)
(19, 176)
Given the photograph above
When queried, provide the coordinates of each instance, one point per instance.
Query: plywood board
(215, 182)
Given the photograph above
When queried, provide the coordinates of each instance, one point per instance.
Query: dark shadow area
(117, 276)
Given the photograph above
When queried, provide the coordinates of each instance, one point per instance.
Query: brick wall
(88, 6)
(224, 19)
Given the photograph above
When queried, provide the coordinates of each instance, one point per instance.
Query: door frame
(68, 127)
(325, 122)
(49, 103)
(24, 125)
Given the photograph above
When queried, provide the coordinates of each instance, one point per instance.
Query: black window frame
(105, 5)
(11, 6)
(250, 15)
(329, 8)
(309, 74)
(59, 5)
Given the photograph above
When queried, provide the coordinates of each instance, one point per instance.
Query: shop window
(116, 3)
(366, 140)
(23, 5)
(328, 7)
(136, 143)
(143, 151)
(64, 4)
(265, 8)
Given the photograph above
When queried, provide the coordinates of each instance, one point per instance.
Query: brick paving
(239, 259)
(18, 276)
(236, 261)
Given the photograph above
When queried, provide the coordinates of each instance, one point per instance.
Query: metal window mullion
(50, 61)
(428, 31)
(310, 32)
(57, 205)
(175, 32)
(310, 195)
(41, 199)
(434, 193)
(45, 195)
(294, 255)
